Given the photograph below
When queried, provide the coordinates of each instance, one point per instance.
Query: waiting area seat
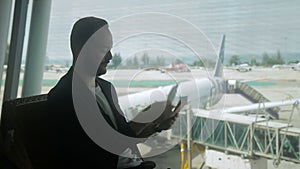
(23, 126)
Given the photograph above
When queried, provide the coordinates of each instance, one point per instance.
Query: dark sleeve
(112, 97)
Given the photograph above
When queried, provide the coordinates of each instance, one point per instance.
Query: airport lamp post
(189, 137)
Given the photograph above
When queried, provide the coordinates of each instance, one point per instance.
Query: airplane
(201, 93)
(243, 67)
(56, 68)
(296, 67)
(181, 67)
(292, 66)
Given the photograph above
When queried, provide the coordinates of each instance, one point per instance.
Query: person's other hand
(156, 117)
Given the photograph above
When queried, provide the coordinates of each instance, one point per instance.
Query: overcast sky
(251, 26)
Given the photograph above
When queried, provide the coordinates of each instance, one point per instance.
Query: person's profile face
(104, 49)
(102, 69)
(96, 52)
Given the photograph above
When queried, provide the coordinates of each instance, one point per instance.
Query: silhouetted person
(73, 147)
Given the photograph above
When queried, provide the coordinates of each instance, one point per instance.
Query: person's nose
(108, 56)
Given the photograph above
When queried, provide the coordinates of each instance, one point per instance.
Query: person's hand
(168, 122)
(155, 118)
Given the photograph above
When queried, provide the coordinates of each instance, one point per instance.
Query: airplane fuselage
(201, 93)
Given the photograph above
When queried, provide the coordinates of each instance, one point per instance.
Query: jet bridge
(234, 86)
(245, 136)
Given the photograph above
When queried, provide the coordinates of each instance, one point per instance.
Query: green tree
(198, 63)
(129, 62)
(67, 63)
(234, 60)
(145, 59)
(270, 61)
(160, 61)
(279, 59)
(265, 59)
(178, 61)
(136, 61)
(116, 60)
(253, 61)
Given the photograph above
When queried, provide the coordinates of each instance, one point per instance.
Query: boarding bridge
(251, 94)
(245, 136)
(255, 97)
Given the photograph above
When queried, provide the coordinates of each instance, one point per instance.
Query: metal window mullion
(270, 144)
(16, 50)
(251, 139)
(257, 143)
(245, 138)
(277, 144)
(219, 132)
(233, 138)
(225, 133)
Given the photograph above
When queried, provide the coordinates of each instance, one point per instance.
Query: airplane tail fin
(219, 65)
